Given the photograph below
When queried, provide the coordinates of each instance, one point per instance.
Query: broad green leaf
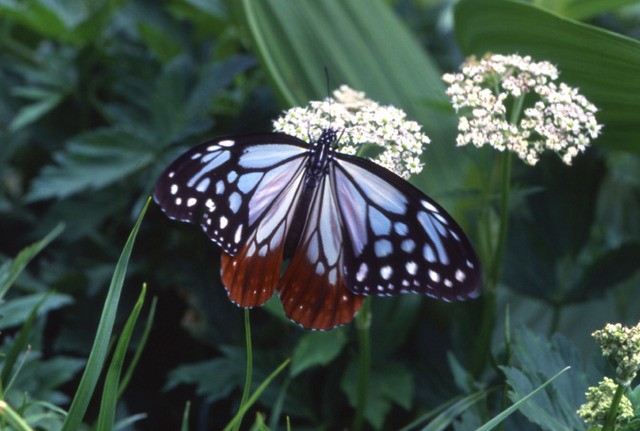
(606, 270)
(604, 65)
(93, 161)
(517, 405)
(16, 311)
(34, 111)
(215, 378)
(317, 348)
(389, 383)
(537, 360)
(159, 42)
(582, 9)
(41, 16)
(103, 335)
(10, 270)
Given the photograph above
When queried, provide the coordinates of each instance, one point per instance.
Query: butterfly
(348, 227)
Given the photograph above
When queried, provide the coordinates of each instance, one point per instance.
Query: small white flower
(561, 120)
(361, 121)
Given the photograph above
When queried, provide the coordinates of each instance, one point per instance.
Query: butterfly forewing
(227, 185)
(399, 239)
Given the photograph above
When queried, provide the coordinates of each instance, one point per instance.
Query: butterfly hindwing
(312, 289)
(400, 240)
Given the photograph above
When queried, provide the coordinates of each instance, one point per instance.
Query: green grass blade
(20, 344)
(143, 341)
(107, 415)
(502, 416)
(10, 271)
(242, 410)
(185, 417)
(101, 343)
(13, 418)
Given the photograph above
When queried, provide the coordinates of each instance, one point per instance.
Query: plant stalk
(363, 326)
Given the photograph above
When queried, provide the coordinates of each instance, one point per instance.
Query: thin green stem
(363, 325)
(494, 271)
(610, 419)
(247, 382)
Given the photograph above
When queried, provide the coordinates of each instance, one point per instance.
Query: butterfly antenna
(326, 75)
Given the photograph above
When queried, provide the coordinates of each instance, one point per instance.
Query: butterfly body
(348, 227)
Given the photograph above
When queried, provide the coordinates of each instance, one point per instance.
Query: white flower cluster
(361, 122)
(599, 399)
(560, 120)
(621, 346)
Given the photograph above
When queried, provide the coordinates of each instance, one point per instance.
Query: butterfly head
(328, 138)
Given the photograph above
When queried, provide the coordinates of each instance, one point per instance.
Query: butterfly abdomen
(317, 167)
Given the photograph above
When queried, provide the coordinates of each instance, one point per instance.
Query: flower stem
(494, 270)
(363, 325)
(610, 419)
(247, 382)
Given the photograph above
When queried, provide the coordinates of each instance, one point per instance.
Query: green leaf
(103, 335)
(10, 270)
(518, 405)
(537, 361)
(19, 345)
(93, 161)
(44, 17)
(215, 378)
(159, 42)
(582, 9)
(317, 348)
(388, 384)
(16, 311)
(241, 412)
(606, 270)
(604, 65)
(107, 415)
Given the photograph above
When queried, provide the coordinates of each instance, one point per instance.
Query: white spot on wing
(412, 267)
(362, 272)
(226, 143)
(386, 272)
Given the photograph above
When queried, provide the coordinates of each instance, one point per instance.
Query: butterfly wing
(242, 191)
(400, 240)
(312, 289)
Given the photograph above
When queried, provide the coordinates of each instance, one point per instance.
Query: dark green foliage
(97, 97)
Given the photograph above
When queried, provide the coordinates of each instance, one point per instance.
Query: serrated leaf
(34, 111)
(16, 311)
(538, 360)
(604, 65)
(317, 348)
(93, 161)
(389, 383)
(215, 379)
(159, 41)
(11, 269)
